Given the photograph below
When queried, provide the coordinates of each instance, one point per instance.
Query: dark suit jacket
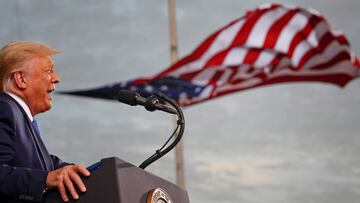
(24, 159)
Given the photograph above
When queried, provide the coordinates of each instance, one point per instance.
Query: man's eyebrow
(50, 65)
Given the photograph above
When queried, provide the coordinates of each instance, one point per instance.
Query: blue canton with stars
(174, 88)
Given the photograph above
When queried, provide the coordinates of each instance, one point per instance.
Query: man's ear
(20, 80)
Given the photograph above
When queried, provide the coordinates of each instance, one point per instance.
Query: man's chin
(42, 110)
(48, 106)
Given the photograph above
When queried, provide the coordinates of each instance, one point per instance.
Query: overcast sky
(294, 142)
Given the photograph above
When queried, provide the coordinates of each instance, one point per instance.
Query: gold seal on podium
(158, 195)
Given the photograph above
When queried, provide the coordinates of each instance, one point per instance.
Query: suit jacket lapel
(40, 146)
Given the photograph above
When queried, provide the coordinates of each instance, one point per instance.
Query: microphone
(151, 103)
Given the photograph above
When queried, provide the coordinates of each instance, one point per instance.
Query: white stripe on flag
(297, 23)
(330, 52)
(224, 77)
(235, 56)
(204, 76)
(260, 30)
(222, 42)
(264, 59)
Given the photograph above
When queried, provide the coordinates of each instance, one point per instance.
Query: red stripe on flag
(278, 58)
(217, 59)
(276, 28)
(327, 39)
(252, 55)
(199, 51)
(339, 79)
(342, 56)
(304, 33)
(252, 19)
(342, 39)
(240, 38)
(356, 62)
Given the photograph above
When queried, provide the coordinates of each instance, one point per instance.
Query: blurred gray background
(294, 142)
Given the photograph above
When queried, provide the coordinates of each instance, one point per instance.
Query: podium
(117, 181)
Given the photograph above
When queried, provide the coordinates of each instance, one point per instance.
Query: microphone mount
(178, 132)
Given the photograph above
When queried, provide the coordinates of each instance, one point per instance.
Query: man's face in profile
(41, 79)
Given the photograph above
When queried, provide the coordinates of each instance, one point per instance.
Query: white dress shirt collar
(22, 104)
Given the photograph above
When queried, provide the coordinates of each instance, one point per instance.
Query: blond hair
(15, 54)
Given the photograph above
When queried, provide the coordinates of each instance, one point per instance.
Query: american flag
(272, 44)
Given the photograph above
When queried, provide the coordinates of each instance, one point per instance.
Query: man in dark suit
(27, 170)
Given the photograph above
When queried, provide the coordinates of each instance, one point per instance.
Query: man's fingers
(66, 179)
(62, 192)
(83, 170)
(70, 187)
(77, 180)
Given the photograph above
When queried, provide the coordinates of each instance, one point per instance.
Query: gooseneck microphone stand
(178, 132)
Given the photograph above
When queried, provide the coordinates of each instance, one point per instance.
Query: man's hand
(64, 178)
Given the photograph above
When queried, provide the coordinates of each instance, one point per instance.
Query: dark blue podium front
(116, 181)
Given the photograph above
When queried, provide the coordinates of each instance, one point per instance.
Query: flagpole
(180, 174)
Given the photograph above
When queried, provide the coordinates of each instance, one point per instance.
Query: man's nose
(55, 78)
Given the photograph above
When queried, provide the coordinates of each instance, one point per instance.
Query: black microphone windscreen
(127, 97)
